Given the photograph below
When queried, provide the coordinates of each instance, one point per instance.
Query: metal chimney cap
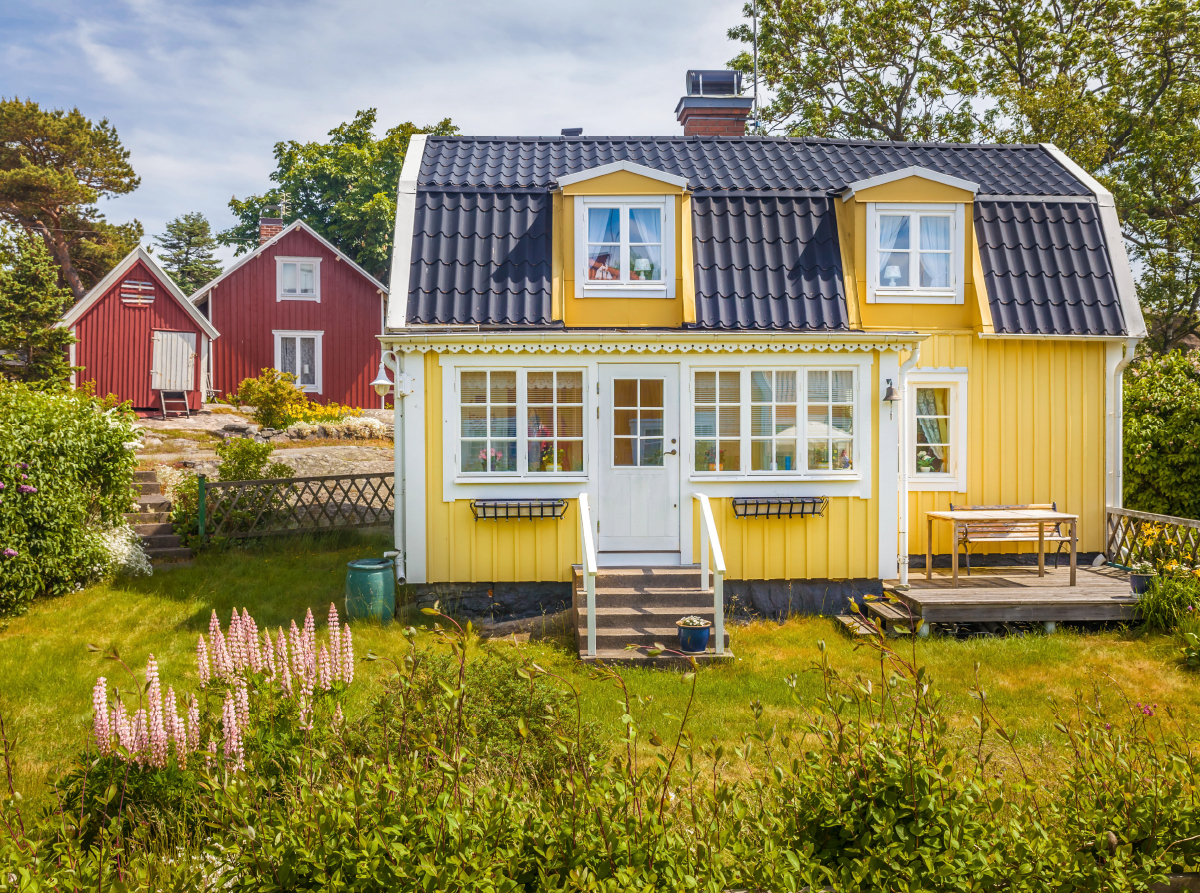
(572, 131)
(714, 82)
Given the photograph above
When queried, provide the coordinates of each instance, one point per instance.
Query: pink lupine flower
(100, 722)
(281, 654)
(210, 756)
(310, 629)
(268, 652)
(141, 737)
(203, 667)
(296, 641)
(324, 671)
(232, 736)
(242, 695)
(214, 626)
(222, 662)
(193, 725)
(335, 642)
(120, 725)
(250, 631)
(176, 731)
(347, 656)
(337, 717)
(236, 642)
(156, 732)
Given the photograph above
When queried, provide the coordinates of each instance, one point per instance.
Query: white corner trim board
(913, 171)
(406, 215)
(1135, 324)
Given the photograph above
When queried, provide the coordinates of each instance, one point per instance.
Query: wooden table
(1040, 516)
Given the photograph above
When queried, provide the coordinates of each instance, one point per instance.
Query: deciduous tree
(32, 349)
(187, 251)
(54, 166)
(345, 189)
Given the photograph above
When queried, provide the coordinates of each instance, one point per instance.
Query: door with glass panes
(639, 459)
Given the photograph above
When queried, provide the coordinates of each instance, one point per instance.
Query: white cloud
(201, 91)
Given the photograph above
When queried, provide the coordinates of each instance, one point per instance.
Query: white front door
(173, 361)
(639, 460)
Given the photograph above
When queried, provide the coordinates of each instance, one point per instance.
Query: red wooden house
(140, 338)
(299, 305)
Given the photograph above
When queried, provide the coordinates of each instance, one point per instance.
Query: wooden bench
(977, 532)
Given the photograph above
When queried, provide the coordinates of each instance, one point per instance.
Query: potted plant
(924, 461)
(693, 634)
(1140, 576)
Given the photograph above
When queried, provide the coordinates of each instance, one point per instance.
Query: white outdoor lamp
(382, 384)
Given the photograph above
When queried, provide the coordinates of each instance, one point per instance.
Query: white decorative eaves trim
(638, 348)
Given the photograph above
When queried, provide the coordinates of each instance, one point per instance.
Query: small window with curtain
(914, 253)
(624, 246)
(554, 411)
(773, 402)
(830, 423)
(299, 354)
(933, 430)
(718, 420)
(298, 278)
(488, 409)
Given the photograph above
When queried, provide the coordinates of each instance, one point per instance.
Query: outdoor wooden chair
(974, 533)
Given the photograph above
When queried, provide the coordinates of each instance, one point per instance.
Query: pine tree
(32, 349)
(187, 251)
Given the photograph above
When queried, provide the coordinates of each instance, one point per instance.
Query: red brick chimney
(268, 228)
(714, 105)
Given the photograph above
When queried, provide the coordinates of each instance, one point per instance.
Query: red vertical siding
(244, 310)
(115, 341)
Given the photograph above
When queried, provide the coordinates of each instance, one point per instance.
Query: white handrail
(710, 542)
(589, 570)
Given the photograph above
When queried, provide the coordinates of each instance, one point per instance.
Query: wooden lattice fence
(1143, 536)
(296, 505)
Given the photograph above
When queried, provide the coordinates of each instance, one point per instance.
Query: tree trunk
(57, 244)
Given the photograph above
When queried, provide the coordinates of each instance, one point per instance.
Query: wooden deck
(1001, 595)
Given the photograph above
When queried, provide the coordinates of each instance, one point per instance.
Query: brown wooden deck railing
(297, 505)
(1143, 536)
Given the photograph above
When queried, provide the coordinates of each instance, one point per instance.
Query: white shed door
(173, 366)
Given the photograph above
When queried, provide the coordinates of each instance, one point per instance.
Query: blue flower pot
(1139, 583)
(694, 639)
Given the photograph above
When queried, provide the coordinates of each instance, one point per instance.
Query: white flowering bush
(126, 556)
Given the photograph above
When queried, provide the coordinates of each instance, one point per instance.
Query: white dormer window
(915, 253)
(624, 247)
(298, 278)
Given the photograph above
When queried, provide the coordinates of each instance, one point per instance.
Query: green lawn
(48, 672)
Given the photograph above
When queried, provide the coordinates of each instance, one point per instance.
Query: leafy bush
(1189, 635)
(1167, 600)
(278, 401)
(66, 473)
(243, 459)
(1162, 435)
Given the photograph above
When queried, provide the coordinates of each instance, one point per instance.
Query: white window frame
(280, 334)
(280, 261)
(804, 473)
(453, 441)
(955, 480)
(914, 294)
(586, 288)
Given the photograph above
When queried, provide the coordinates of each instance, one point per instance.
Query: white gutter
(406, 215)
(902, 525)
(1116, 358)
(395, 362)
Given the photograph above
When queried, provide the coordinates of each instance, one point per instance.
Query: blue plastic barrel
(371, 590)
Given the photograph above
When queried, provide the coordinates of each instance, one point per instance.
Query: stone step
(153, 502)
(653, 633)
(147, 488)
(136, 518)
(642, 614)
(641, 578)
(160, 541)
(621, 657)
(159, 528)
(168, 554)
(142, 477)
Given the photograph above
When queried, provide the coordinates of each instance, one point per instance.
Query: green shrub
(1162, 435)
(278, 401)
(66, 470)
(1167, 600)
(244, 459)
(1189, 635)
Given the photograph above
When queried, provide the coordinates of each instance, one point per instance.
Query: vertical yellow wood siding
(462, 550)
(1035, 432)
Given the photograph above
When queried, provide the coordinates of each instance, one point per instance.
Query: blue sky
(201, 91)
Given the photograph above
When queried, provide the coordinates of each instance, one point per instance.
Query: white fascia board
(1118, 255)
(406, 215)
(139, 253)
(639, 169)
(294, 225)
(913, 171)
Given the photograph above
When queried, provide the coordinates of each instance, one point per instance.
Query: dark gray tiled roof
(1047, 269)
(767, 262)
(480, 258)
(737, 163)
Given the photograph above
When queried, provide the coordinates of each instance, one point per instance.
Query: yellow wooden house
(596, 341)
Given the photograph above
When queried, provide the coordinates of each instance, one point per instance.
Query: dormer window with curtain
(915, 253)
(625, 246)
(298, 279)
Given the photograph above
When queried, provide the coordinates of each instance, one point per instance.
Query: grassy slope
(48, 672)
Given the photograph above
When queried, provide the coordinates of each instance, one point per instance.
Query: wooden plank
(854, 625)
(1061, 611)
